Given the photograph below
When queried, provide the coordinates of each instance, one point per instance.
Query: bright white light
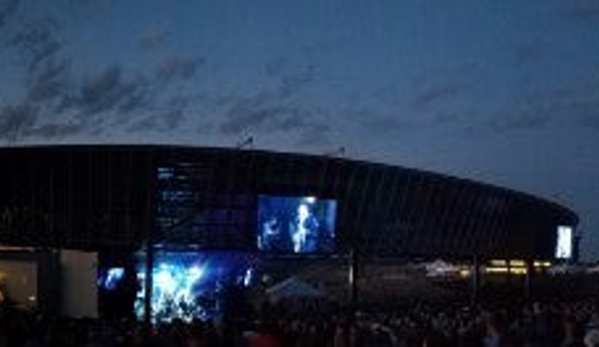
(247, 279)
(165, 281)
(302, 212)
(299, 236)
(310, 199)
(113, 276)
(195, 273)
(563, 249)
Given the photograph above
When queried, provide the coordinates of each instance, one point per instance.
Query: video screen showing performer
(296, 225)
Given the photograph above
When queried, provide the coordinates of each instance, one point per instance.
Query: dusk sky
(505, 92)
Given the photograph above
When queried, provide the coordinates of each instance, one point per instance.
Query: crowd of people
(552, 323)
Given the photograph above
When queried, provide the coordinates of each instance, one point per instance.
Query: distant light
(542, 263)
(517, 263)
(505, 270)
(498, 262)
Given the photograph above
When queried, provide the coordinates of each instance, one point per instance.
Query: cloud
(107, 91)
(56, 103)
(574, 103)
(377, 121)
(169, 118)
(276, 67)
(56, 130)
(529, 52)
(178, 68)
(245, 115)
(316, 131)
(46, 71)
(7, 9)
(580, 101)
(142, 125)
(50, 81)
(432, 94)
(37, 40)
(531, 111)
(518, 120)
(271, 119)
(17, 121)
(154, 38)
(580, 9)
(292, 83)
(271, 109)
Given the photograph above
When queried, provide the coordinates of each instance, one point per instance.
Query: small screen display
(296, 225)
(563, 248)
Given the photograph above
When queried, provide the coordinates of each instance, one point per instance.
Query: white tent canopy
(294, 287)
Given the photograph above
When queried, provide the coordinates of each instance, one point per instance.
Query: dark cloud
(275, 119)
(275, 67)
(165, 120)
(175, 114)
(530, 52)
(447, 117)
(7, 9)
(271, 109)
(56, 130)
(434, 93)
(47, 72)
(292, 83)
(37, 41)
(17, 121)
(107, 91)
(519, 120)
(581, 102)
(178, 68)
(372, 119)
(314, 134)
(580, 9)
(575, 103)
(246, 115)
(50, 81)
(154, 38)
(531, 111)
(144, 124)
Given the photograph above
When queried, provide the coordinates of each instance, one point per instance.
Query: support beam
(148, 284)
(352, 280)
(528, 280)
(475, 282)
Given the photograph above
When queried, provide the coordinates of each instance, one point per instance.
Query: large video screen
(296, 225)
(193, 285)
(563, 249)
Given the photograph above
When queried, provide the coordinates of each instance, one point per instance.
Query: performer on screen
(271, 234)
(304, 230)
